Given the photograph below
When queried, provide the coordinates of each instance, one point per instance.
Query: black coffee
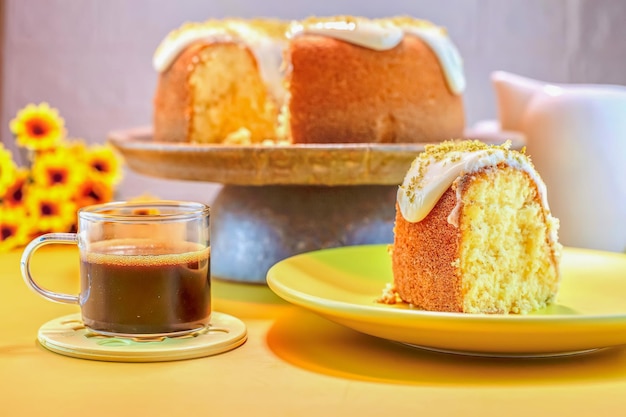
(145, 287)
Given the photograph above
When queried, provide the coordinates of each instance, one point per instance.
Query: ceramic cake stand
(279, 201)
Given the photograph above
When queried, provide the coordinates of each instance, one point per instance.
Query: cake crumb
(389, 295)
(241, 136)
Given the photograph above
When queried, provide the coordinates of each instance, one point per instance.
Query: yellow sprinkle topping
(451, 151)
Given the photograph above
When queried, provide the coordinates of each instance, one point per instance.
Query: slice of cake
(320, 80)
(474, 232)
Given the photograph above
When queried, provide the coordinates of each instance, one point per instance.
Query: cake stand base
(253, 227)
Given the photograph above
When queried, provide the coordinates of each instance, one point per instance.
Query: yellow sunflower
(105, 164)
(14, 229)
(92, 191)
(38, 127)
(7, 169)
(15, 193)
(58, 169)
(50, 210)
(77, 148)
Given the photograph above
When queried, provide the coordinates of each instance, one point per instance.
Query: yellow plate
(343, 284)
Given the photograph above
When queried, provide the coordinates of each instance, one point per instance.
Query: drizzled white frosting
(177, 41)
(385, 34)
(376, 34)
(370, 34)
(430, 176)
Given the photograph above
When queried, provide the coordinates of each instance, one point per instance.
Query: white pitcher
(576, 137)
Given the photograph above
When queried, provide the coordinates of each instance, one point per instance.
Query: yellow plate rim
(354, 314)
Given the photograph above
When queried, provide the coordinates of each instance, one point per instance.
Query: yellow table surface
(293, 363)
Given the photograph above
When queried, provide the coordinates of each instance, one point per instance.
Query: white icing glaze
(268, 51)
(176, 42)
(370, 34)
(415, 202)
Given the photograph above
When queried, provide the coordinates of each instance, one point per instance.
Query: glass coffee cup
(144, 268)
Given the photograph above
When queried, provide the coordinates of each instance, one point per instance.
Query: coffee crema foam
(144, 252)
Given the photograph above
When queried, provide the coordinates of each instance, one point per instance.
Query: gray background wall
(92, 58)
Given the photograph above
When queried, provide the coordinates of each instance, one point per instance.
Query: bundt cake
(320, 80)
(474, 233)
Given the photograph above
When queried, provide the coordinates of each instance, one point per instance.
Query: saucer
(68, 336)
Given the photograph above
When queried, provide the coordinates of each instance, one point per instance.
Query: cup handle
(46, 239)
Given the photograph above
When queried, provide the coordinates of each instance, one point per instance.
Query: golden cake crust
(172, 100)
(424, 259)
(342, 92)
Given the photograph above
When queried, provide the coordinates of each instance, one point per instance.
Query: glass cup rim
(177, 210)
